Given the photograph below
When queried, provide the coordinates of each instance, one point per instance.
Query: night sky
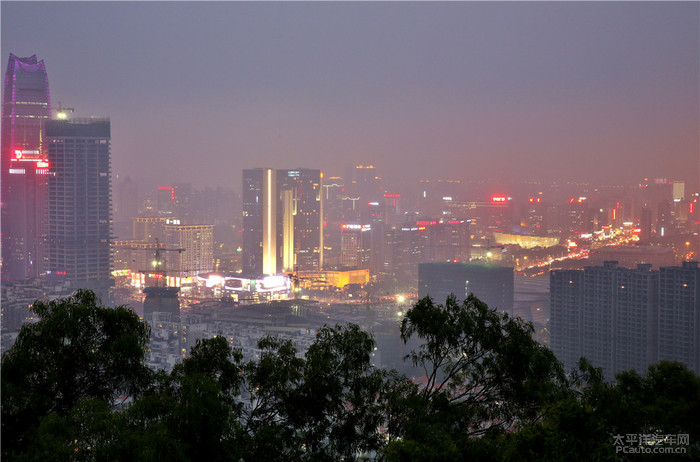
(601, 92)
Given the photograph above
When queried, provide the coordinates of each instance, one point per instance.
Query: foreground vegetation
(75, 387)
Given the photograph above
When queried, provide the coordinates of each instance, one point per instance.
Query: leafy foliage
(325, 406)
(581, 425)
(77, 350)
(490, 392)
(483, 372)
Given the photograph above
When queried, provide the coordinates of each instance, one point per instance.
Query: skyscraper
(300, 219)
(259, 239)
(282, 220)
(79, 216)
(26, 107)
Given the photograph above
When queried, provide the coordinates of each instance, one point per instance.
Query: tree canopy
(78, 350)
(75, 386)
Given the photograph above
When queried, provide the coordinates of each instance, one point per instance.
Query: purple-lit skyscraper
(26, 107)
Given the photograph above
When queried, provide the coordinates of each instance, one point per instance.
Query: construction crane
(160, 299)
(159, 263)
(61, 112)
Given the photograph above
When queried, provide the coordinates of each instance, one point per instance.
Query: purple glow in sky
(604, 92)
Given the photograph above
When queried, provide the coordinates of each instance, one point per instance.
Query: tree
(490, 393)
(583, 423)
(78, 350)
(484, 373)
(205, 389)
(270, 388)
(325, 406)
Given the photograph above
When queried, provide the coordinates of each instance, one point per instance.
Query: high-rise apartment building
(26, 107)
(622, 319)
(566, 315)
(79, 217)
(282, 220)
(679, 314)
(618, 313)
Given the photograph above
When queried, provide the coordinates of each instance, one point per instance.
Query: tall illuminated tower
(282, 220)
(26, 107)
(259, 221)
(300, 219)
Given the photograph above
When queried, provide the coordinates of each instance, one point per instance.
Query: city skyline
(548, 92)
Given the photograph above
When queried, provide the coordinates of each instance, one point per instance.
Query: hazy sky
(597, 91)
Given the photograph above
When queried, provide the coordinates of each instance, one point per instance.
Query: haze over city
(350, 230)
(588, 92)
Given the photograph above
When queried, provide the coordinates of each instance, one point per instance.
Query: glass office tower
(26, 108)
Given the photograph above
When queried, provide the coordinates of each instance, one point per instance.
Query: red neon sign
(499, 198)
(392, 195)
(42, 164)
(172, 191)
